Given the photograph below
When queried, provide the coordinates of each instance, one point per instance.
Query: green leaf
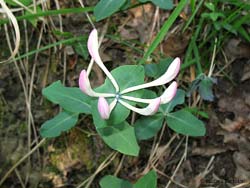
(147, 181)
(81, 48)
(197, 111)
(62, 122)
(156, 70)
(126, 76)
(114, 182)
(71, 99)
(24, 2)
(151, 70)
(33, 21)
(164, 4)
(177, 100)
(184, 122)
(210, 6)
(64, 34)
(205, 89)
(105, 8)
(147, 127)
(120, 137)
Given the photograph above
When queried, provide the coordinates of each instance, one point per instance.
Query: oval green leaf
(147, 181)
(147, 127)
(62, 122)
(105, 8)
(184, 122)
(114, 182)
(71, 99)
(120, 137)
(164, 4)
(178, 99)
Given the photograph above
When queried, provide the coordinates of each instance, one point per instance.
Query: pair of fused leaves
(147, 181)
(106, 8)
(181, 121)
(116, 132)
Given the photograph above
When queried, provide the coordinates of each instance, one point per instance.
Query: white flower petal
(103, 108)
(151, 109)
(135, 99)
(167, 95)
(93, 50)
(112, 105)
(85, 86)
(169, 75)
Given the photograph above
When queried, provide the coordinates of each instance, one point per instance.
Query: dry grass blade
(16, 28)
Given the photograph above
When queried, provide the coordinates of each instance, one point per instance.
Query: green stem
(67, 41)
(49, 13)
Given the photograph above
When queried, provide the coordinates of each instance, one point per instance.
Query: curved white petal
(103, 108)
(112, 105)
(151, 109)
(135, 99)
(85, 86)
(169, 75)
(167, 95)
(93, 50)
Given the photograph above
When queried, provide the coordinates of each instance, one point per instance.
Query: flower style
(104, 108)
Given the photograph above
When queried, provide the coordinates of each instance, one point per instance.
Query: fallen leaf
(176, 43)
(232, 126)
(236, 49)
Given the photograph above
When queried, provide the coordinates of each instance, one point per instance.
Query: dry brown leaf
(232, 126)
(235, 104)
(176, 43)
(236, 49)
(236, 141)
(140, 11)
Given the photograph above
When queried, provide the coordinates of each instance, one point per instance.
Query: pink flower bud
(83, 81)
(103, 108)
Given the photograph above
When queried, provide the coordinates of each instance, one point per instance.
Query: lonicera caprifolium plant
(110, 104)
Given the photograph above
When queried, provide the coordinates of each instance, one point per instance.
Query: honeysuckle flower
(105, 108)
